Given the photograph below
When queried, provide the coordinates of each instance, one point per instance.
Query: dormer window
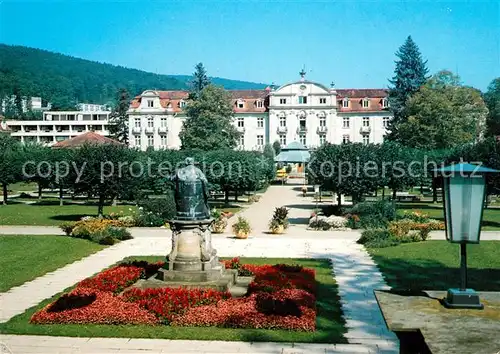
(240, 104)
(150, 103)
(259, 104)
(385, 103)
(322, 100)
(182, 104)
(366, 102)
(345, 103)
(302, 99)
(282, 100)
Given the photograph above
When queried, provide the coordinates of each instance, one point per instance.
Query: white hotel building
(302, 111)
(57, 126)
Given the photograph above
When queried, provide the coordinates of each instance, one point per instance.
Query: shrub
(416, 216)
(254, 198)
(119, 233)
(319, 224)
(268, 305)
(67, 227)
(280, 217)
(148, 219)
(373, 214)
(162, 208)
(377, 238)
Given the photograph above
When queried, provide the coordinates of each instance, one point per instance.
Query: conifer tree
(409, 75)
(199, 82)
(118, 127)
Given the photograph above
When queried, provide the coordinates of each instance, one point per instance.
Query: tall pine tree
(492, 100)
(410, 74)
(199, 82)
(118, 127)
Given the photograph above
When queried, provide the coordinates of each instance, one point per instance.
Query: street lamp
(464, 190)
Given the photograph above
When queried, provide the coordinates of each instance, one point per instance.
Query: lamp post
(464, 191)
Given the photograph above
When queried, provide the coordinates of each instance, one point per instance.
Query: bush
(156, 209)
(372, 214)
(67, 227)
(280, 217)
(320, 224)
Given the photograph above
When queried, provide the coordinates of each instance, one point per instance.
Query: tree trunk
(226, 198)
(39, 191)
(339, 199)
(394, 192)
(434, 192)
(100, 206)
(61, 203)
(236, 195)
(5, 194)
(115, 201)
(376, 192)
(383, 193)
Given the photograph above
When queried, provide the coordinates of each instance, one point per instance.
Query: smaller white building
(58, 126)
(92, 107)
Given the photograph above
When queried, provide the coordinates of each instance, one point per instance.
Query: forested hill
(61, 78)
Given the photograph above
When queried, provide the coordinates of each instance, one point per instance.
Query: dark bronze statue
(191, 193)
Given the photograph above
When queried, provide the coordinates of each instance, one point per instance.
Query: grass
(435, 265)
(491, 217)
(330, 324)
(26, 257)
(50, 213)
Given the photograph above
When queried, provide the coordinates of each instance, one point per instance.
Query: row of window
(241, 104)
(365, 103)
(150, 122)
(151, 141)
(322, 139)
(150, 104)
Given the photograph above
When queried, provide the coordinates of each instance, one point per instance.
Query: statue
(191, 193)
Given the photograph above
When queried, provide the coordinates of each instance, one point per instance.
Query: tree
(199, 82)
(277, 147)
(269, 155)
(118, 127)
(492, 100)
(443, 114)
(11, 161)
(209, 121)
(409, 75)
(18, 103)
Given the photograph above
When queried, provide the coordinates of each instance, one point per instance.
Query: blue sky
(351, 43)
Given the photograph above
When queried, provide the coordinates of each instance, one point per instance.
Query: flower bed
(280, 297)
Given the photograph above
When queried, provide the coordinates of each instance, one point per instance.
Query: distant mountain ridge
(62, 78)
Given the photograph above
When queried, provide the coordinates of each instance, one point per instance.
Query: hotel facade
(303, 111)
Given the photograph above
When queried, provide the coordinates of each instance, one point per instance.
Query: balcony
(240, 129)
(322, 129)
(149, 130)
(301, 130)
(365, 130)
(136, 130)
(281, 130)
(162, 130)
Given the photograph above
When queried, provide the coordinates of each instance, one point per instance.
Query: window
(241, 122)
(345, 122)
(322, 100)
(385, 103)
(366, 139)
(282, 120)
(302, 139)
(137, 122)
(385, 122)
(150, 103)
(242, 140)
(366, 103)
(138, 140)
(260, 122)
(151, 123)
(163, 140)
(151, 140)
(345, 139)
(302, 99)
(366, 121)
(322, 139)
(322, 119)
(163, 122)
(282, 100)
(260, 140)
(282, 139)
(240, 104)
(182, 104)
(345, 103)
(302, 120)
(259, 104)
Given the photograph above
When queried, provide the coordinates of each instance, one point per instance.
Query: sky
(350, 43)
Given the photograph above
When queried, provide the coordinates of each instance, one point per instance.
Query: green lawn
(491, 217)
(25, 257)
(434, 265)
(330, 324)
(50, 213)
